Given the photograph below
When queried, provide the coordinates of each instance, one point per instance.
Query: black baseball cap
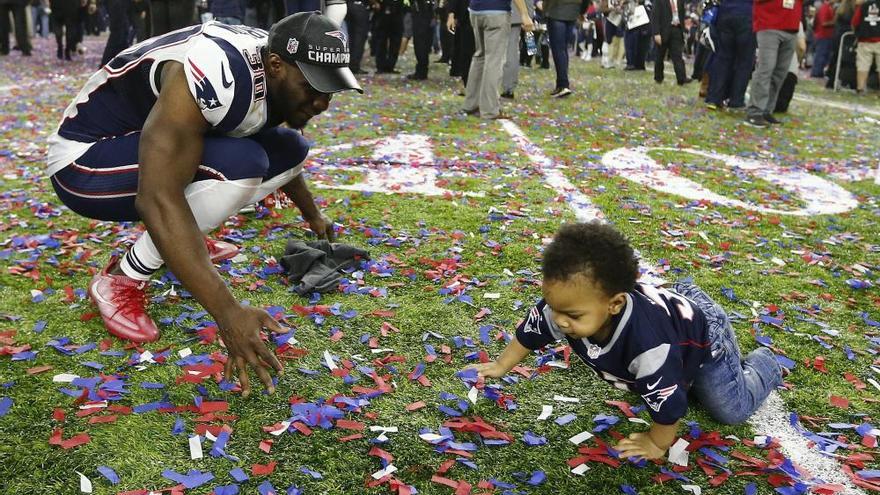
(318, 47)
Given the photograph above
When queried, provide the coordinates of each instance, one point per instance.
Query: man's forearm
(301, 195)
(174, 230)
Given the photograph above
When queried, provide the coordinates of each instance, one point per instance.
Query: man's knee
(233, 159)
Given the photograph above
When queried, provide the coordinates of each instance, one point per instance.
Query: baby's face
(581, 308)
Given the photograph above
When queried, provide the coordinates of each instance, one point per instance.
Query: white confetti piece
(473, 394)
(638, 420)
(678, 453)
(430, 437)
(146, 357)
(580, 469)
(328, 360)
(378, 351)
(562, 398)
(195, 447)
(558, 364)
(384, 429)
(384, 472)
(85, 484)
(64, 378)
(492, 295)
(186, 351)
(284, 426)
(696, 490)
(546, 411)
(210, 436)
(581, 437)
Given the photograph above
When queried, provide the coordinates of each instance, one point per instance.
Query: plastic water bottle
(531, 47)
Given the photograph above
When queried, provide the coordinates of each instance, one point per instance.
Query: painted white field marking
(584, 209)
(821, 196)
(402, 164)
(771, 419)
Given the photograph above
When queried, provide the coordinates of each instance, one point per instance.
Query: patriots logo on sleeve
(206, 95)
(656, 398)
(533, 322)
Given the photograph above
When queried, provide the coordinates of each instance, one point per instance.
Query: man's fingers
(272, 325)
(269, 359)
(243, 377)
(227, 369)
(261, 371)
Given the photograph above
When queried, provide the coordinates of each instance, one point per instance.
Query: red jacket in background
(771, 14)
(824, 15)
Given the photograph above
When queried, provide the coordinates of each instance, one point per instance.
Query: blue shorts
(102, 183)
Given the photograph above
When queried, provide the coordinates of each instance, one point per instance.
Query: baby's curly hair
(595, 250)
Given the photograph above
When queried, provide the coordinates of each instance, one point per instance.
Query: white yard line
(771, 419)
(584, 210)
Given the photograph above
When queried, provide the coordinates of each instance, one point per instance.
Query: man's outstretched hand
(322, 226)
(241, 334)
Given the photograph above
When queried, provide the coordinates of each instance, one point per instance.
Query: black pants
(388, 33)
(21, 30)
(673, 46)
(423, 35)
(120, 29)
(66, 26)
(269, 11)
(170, 15)
(463, 49)
(358, 20)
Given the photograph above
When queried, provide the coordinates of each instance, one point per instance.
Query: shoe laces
(129, 295)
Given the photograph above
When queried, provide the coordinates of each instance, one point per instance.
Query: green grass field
(803, 271)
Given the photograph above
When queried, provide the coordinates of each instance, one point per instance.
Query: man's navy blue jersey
(224, 72)
(656, 350)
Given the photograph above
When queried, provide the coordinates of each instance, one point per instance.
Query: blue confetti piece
(152, 385)
(5, 404)
(238, 475)
(785, 362)
(314, 474)
(751, 489)
(178, 427)
(533, 440)
(869, 473)
(226, 490)
(266, 488)
(294, 490)
(564, 420)
(190, 480)
(39, 326)
(110, 474)
(628, 490)
(537, 478)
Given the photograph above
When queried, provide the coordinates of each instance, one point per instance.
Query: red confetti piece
(840, 402)
(263, 469)
(266, 445)
(416, 406)
(350, 425)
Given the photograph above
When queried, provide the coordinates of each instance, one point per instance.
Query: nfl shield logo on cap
(292, 46)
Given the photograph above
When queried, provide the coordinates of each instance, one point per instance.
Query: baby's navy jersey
(224, 72)
(656, 350)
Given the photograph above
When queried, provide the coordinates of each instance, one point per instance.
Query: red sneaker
(219, 250)
(122, 303)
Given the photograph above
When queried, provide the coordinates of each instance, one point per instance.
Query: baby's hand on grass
(639, 445)
(489, 370)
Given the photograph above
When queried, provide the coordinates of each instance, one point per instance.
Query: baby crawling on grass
(659, 343)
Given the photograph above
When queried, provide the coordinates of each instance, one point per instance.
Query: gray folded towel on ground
(315, 265)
